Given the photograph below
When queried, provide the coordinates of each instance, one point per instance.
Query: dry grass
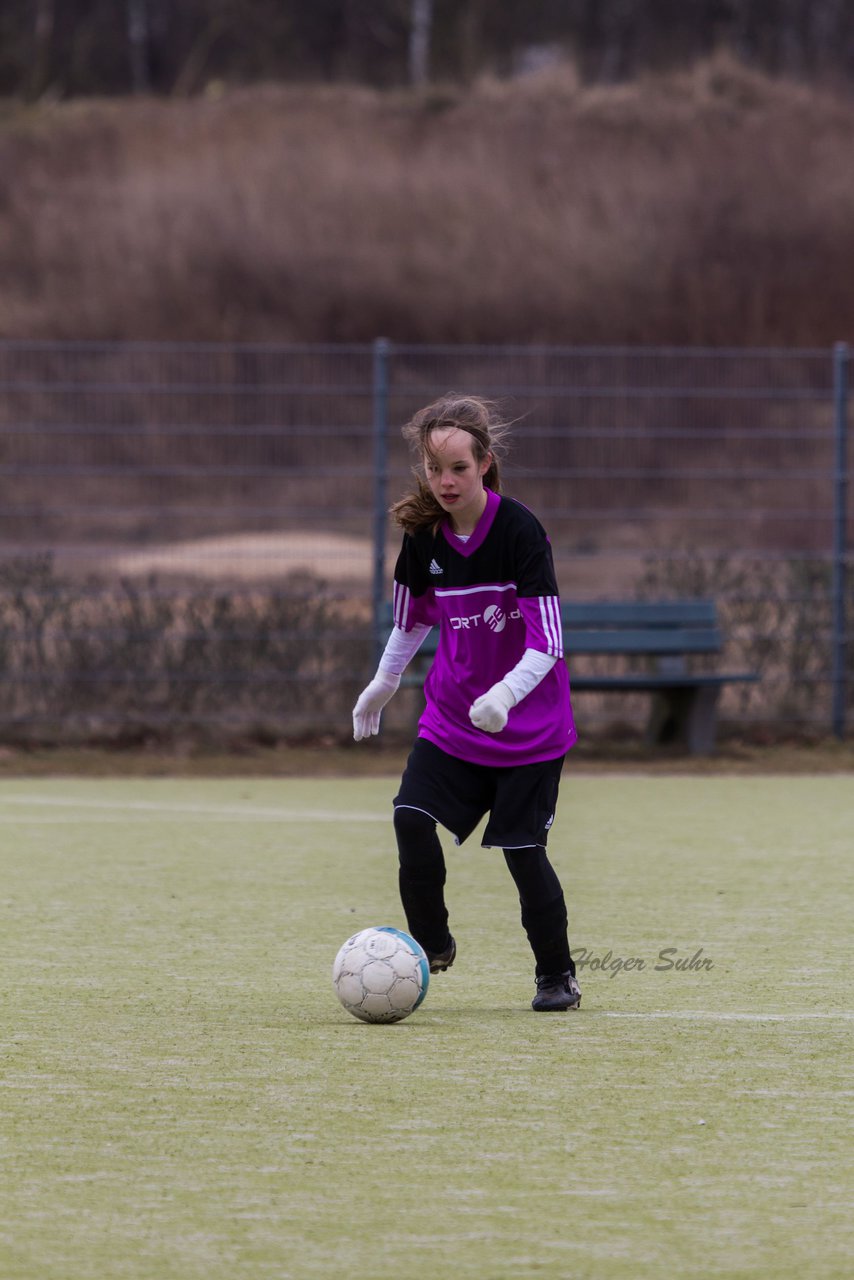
(711, 207)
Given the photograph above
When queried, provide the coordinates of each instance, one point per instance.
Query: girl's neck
(468, 526)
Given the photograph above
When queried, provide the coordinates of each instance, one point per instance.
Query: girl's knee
(413, 822)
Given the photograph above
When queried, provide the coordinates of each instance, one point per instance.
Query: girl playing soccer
(498, 721)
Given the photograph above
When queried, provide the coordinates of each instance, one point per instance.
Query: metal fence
(197, 534)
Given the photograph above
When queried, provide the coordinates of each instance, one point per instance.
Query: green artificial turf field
(182, 1096)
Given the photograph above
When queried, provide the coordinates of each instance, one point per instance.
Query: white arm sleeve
(402, 647)
(531, 668)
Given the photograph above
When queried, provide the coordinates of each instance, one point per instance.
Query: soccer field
(182, 1096)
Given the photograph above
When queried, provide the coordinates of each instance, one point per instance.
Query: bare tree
(419, 42)
(791, 37)
(471, 21)
(137, 29)
(619, 22)
(45, 18)
(827, 32)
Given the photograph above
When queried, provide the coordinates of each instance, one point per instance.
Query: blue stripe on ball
(423, 962)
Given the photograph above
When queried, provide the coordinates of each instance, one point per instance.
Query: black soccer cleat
(441, 960)
(556, 992)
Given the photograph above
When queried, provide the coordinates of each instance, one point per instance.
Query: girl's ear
(486, 464)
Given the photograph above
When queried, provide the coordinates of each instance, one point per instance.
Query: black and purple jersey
(493, 596)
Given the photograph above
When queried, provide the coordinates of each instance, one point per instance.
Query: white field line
(271, 813)
(713, 1015)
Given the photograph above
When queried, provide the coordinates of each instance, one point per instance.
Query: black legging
(422, 891)
(543, 906)
(422, 878)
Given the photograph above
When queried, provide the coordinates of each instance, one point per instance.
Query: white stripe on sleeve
(551, 623)
(401, 600)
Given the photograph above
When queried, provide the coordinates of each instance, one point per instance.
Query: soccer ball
(381, 975)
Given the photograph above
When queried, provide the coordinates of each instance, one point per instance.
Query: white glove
(490, 710)
(366, 713)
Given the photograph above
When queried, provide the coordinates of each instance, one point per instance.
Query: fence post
(840, 504)
(381, 353)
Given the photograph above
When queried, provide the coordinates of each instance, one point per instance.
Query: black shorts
(520, 799)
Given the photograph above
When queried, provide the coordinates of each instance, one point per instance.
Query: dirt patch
(253, 557)
(258, 557)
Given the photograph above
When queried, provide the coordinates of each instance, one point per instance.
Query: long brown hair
(418, 509)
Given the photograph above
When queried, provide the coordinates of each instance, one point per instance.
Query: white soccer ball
(381, 975)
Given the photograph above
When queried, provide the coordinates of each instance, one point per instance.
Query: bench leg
(701, 724)
(689, 716)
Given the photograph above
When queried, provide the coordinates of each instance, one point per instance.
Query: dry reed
(714, 206)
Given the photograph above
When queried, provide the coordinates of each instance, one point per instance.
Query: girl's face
(455, 477)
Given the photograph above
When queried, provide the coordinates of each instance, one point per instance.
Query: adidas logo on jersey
(435, 568)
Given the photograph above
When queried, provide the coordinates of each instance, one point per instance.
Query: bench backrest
(656, 627)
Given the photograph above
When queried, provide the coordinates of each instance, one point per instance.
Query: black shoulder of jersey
(517, 515)
(515, 538)
(425, 544)
(421, 563)
(526, 550)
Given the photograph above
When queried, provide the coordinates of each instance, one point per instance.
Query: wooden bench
(657, 638)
